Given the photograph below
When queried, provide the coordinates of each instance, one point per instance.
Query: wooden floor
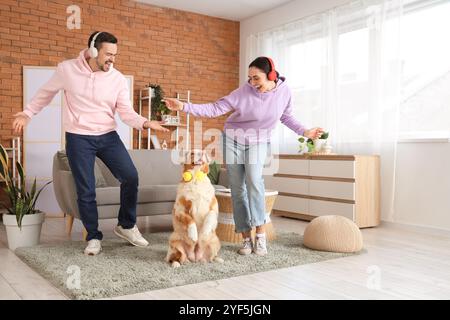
(402, 262)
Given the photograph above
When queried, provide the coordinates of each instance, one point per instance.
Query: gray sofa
(158, 180)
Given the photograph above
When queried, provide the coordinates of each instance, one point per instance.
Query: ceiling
(235, 10)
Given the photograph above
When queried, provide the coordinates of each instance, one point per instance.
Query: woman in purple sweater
(257, 107)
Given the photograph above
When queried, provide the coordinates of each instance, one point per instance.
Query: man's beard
(104, 67)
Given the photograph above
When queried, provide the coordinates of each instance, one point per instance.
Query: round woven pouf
(226, 227)
(333, 233)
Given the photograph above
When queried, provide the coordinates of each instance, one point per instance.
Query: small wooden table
(226, 226)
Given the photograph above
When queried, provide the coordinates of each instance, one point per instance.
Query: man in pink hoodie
(93, 92)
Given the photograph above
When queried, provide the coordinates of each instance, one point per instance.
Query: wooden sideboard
(315, 185)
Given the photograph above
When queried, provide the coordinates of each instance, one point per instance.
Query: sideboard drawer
(323, 208)
(333, 169)
(332, 189)
(291, 204)
(293, 166)
(289, 185)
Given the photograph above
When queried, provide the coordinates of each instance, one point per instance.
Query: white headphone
(93, 52)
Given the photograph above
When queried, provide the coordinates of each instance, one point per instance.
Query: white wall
(423, 169)
(423, 184)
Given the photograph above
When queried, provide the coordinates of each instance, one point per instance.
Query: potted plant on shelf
(159, 108)
(22, 221)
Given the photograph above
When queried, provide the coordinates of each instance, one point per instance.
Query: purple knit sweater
(254, 115)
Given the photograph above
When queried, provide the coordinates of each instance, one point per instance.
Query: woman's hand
(155, 125)
(20, 121)
(313, 133)
(173, 104)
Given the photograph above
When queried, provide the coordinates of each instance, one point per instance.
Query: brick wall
(178, 50)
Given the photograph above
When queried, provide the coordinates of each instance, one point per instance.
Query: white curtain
(344, 69)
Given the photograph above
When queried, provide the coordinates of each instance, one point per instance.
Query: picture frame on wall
(155, 142)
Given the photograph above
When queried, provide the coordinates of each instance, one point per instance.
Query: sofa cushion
(157, 167)
(100, 181)
(110, 180)
(146, 194)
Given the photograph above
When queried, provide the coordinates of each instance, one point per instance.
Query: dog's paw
(176, 264)
(191, 257)
(192, 232)
(218, 259)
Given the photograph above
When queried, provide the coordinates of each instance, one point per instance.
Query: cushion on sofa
(158, 167)
(146, 194)
(100, 181)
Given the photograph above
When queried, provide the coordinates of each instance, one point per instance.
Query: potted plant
(319, 144)
(159, 108)
(22, 221)
(214, 172)
(306, 145)
(303, 146)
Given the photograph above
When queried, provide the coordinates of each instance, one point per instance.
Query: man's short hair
(102, 37)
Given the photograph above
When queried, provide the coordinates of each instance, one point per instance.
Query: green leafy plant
(22, 202)
(309, 143)
(214, 172)
(159, 108)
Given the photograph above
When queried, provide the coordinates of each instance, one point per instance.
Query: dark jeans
(81, 151)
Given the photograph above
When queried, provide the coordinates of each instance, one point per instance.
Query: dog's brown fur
(194, 221)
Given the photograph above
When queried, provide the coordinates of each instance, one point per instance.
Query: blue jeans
(244, 165)
(81, 152)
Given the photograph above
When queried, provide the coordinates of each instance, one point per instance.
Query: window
(425, 108)
(351, 67)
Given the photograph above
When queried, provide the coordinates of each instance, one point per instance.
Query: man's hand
(173, 104)
(313, 133)
(155, 125)
(20, 121)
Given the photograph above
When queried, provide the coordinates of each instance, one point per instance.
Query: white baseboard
(416, 227)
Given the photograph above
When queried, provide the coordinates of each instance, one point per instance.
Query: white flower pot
(30, 233)
(319, 144)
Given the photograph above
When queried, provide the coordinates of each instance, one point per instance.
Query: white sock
(260, 235)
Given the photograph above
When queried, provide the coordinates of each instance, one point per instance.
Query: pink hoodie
(90, 98)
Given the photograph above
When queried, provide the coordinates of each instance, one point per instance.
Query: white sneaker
(260, 245)
(247, 247)
(132, 235)
(93, 248)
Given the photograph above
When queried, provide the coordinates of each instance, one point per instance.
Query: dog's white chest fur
(200, 194)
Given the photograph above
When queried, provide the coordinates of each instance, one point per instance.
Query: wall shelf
(145, 95)
(173, 125)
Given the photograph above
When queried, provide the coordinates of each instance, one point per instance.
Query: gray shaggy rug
(122, 269)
